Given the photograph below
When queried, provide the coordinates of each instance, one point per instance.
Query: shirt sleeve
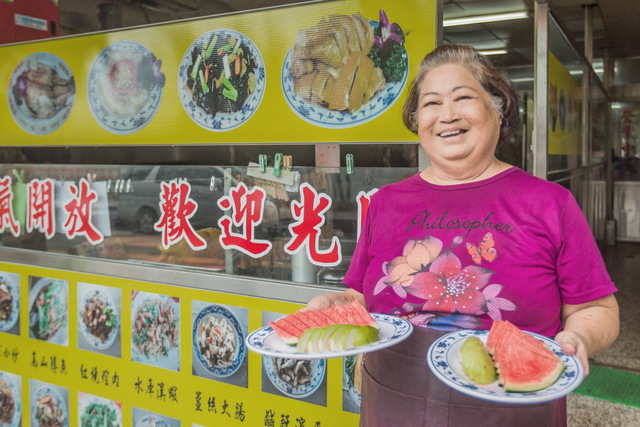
(582, 274)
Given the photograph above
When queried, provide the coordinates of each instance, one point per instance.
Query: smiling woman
(466, 242)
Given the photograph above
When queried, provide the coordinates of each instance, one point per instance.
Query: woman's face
(458, 125)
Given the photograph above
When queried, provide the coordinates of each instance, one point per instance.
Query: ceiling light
(616, 105)
(484, 18)
(493, 52)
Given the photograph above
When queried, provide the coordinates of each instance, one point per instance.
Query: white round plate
(87, 399)
(172, 359)
(318, 369)
(334, 119)
(222, 122)
(44, 391)
(21, 113)
(114, 123)
(14, 291)
(61, 335)
(392, 331)
(240, 350)
(12, 383)
(93, 340)
(444, 362)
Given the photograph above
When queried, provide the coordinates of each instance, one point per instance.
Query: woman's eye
(464, 98)
(429, 103)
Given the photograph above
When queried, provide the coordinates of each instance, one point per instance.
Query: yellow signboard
(324, 72)
(565, 110)
(75, 347)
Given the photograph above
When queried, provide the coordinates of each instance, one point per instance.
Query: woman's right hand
(321, 302)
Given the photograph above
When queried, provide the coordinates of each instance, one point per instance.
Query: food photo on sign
(10, 303)
(143, 418)
(155, 330)
(218, 342)
(49, 404)
(98, 411)
(10, 399)
(124, 87)
(303, 380)
(99, 318)
(41, 93)
(48, 310)
(345, 70)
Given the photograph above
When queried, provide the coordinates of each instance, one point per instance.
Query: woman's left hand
(572, 344)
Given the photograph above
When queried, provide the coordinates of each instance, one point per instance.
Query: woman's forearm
(597, 324)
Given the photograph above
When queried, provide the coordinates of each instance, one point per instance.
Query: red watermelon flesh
(523, 371)
(362, 314)
(524, 363)
(283, 333)
(307, 318)
(345, 315)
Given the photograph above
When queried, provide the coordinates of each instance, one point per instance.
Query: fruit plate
(444, 362)
(392, 331)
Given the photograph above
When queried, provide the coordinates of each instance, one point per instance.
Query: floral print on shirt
(453, 296)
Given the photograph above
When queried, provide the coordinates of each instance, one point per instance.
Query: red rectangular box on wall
(24, 20)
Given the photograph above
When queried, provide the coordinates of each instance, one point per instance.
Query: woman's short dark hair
(498, 87)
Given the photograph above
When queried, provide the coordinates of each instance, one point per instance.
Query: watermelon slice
(291, 327)
(524, 363)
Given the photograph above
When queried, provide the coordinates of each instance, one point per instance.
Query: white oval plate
(444, 362)
(12, 383)
(109, 121)
(61, 336)
(93, 340)
(222, 122)
(318, 369)
(219, 311)
(392, 331)
(14, 290)
(21, 114)
(333, 119)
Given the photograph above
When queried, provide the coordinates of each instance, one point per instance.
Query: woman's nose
(448, 112)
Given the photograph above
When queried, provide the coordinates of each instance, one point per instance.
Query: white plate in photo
(218, 340)
(99, 410)
(35, 109)
(333, 119)
(348, 380)
(152, 420)
(48, 315)
(204, 108)
(48, 407)
(10, 390)
(9, 313)
(392, 331)
(104, 299)
(124, 87)
(444, 362)
(147, 343)
(294, 377)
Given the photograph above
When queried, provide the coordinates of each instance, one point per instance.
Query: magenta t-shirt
(512, 247)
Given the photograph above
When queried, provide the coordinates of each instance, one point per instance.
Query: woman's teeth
(451, 133)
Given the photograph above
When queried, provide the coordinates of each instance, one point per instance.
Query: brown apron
(398, 389)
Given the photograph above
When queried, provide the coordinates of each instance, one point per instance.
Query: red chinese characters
(363, 199)
(176, 208)
(40, 207)
(309, 214)
(79, 209)
(247, 212)
(6, 208)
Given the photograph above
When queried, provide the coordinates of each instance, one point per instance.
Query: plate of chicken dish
(41, 93)
(346, 70)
